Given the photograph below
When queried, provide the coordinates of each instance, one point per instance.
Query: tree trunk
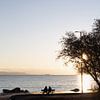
(98, 83)
(99, 87)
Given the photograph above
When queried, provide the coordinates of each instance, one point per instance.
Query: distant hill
(12, 73)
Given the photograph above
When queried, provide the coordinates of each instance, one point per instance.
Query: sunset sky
(31, 29)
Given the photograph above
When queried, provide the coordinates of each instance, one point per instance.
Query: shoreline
(55, 96)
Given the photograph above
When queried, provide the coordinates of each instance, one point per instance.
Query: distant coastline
(23, 73)
(12, 73)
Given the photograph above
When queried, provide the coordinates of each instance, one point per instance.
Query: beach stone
(75, 90)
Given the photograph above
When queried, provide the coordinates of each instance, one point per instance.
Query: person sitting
(49, 89)
(45, 90)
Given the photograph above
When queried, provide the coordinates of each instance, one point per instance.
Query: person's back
(45, 89)
(50, 89)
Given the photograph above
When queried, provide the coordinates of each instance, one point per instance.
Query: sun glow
(84, 56)
(87, 83)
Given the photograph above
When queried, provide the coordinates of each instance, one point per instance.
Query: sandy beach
(60, 96)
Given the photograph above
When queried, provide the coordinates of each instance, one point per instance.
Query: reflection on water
(34, 83)
(88, 83)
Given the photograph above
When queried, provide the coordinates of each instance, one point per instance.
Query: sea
(34, 83)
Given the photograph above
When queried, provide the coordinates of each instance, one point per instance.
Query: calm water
(36, 83)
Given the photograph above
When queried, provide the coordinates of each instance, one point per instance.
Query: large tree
(73, 48)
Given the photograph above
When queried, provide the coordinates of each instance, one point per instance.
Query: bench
(48, 91)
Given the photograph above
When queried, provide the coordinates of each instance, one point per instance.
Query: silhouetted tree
(89, 44)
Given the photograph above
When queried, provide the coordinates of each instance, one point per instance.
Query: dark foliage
(73, 48)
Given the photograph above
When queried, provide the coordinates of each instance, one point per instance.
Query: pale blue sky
(31, 29)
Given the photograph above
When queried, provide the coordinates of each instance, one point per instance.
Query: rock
(15, 90)
(75, 90)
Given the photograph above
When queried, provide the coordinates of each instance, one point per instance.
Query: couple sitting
(48, 90)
